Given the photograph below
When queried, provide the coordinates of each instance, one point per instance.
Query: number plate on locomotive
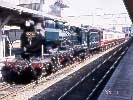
(30, 34)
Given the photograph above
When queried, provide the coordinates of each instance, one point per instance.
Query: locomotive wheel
(4, 72)
(44, 72)
(48, 68)
(29, 73)
(8, 74)
(38, 71)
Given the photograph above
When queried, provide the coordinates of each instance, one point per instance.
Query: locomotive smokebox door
(30, 35)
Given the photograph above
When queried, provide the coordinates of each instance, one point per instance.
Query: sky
(87, 6)
(98, 11)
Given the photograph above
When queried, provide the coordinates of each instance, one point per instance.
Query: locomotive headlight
(29, 64)
(47, 64)
(28, 23)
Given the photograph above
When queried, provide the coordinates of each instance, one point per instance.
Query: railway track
(90, 86)
(4, 85)
(7, 90)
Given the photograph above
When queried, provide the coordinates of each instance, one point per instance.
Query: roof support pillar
(2, 36)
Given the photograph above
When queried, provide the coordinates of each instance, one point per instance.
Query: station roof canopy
(20, 14)
(129, 7)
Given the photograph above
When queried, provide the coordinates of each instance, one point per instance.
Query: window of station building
(110, 36)
(14, 34)
(49, 24)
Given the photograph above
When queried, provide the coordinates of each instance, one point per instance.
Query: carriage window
(59, 25)
(49, 24)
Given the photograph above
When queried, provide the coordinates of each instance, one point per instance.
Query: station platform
(120, 85)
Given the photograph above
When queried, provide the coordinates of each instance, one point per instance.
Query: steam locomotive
(45, 52)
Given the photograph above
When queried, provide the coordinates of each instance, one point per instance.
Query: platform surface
(120, 85)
